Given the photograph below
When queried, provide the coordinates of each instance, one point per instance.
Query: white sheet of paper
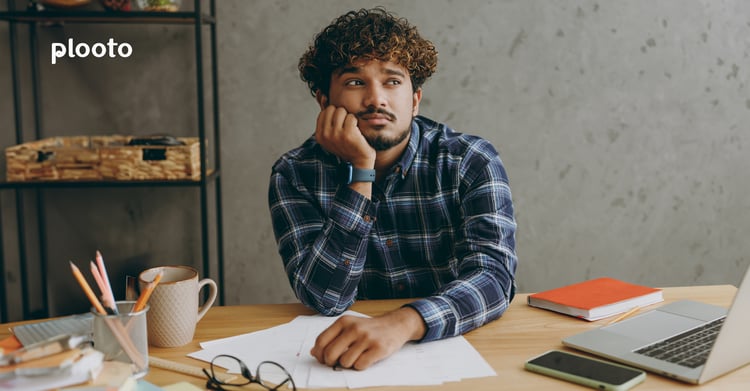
(289, 344)
(404, 367)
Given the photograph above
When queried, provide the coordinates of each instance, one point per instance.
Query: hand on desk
(354, 342)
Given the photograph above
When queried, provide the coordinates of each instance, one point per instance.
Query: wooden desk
(506, 344)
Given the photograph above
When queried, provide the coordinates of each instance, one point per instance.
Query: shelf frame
(140, 17)
(208, 177)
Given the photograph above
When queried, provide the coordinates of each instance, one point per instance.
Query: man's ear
(417, 97)
(322, 99)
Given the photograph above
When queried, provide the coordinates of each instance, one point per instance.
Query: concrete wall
(623, 127)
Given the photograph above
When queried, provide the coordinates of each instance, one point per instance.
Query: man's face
(380, 95)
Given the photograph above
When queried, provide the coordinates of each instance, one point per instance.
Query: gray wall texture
(623, 127)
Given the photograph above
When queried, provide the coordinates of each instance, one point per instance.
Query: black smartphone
(586, 371)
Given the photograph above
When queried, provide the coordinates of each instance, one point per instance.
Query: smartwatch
(349, 174)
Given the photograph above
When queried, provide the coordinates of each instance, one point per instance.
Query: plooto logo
(111, 49)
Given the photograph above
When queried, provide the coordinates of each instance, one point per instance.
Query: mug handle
(212, 291)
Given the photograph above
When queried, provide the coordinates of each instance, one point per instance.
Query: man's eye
(394, 82)
(353, 83)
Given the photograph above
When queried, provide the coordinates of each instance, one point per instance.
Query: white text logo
(111, 49)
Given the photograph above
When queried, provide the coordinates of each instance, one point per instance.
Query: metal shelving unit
(209, 177)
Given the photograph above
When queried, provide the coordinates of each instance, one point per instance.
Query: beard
(382, 143)
(379, 142)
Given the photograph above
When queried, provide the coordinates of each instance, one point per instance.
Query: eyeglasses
(269, 375)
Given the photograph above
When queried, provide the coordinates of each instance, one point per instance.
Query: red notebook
(596, 299)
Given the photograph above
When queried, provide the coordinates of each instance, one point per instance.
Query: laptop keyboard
(689, 349)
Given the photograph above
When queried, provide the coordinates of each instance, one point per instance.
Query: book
(53, 372)
(42, 349)
(9, 344)
(43, 365)
(596, 299)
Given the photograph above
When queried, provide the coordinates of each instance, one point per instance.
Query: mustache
(373, 110)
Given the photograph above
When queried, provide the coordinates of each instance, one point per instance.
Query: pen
(625, 315)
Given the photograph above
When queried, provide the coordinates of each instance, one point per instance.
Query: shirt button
(367, 218)
(400, 287)
(389, 242)
(347, 262)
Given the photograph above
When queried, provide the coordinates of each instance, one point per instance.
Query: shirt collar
(407, 158)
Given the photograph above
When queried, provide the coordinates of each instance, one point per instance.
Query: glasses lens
(230, 364)
(274, 377)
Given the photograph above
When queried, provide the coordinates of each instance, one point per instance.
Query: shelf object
(209, 178)
(114, 157)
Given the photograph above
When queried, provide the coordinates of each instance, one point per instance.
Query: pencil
(109, 297)
(87, 289)
(97, 277)
(143, 298)
(108, 305)
(117, 328)
(99, 281)
(121, 334)
(625, 315)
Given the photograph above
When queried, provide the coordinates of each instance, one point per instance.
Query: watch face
(345, 171)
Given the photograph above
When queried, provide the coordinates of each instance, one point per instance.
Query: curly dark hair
(373, 34)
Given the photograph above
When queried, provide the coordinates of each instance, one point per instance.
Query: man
(383, 203)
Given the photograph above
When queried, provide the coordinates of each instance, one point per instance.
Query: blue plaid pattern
(439, 227)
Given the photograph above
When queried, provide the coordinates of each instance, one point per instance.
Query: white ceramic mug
(175, 307)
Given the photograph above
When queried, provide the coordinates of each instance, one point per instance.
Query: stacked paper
(289, 344)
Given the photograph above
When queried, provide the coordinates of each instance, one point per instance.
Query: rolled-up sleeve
(485, 250)
(323, 246)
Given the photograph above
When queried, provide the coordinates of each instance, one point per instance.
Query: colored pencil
(140, 304)
(87, 289)
(625, 315)
(109, 297)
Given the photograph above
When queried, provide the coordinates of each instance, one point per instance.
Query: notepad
(596, 299)
(79, 324)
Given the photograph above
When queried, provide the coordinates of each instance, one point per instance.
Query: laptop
(686, 340)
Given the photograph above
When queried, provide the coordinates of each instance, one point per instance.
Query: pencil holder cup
(123, 336)
(175, 308)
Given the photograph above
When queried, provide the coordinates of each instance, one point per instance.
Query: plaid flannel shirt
(439, 227)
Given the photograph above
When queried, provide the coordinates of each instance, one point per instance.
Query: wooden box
(102, 158)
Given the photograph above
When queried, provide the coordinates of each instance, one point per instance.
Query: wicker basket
(102, 158)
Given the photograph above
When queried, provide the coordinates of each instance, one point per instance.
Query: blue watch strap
(349, 174)
(362, 175)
